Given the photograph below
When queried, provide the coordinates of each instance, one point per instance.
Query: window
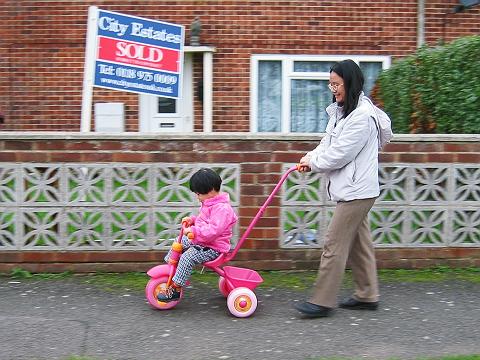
(167, 106)
(290, 92)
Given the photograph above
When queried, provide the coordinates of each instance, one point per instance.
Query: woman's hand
(304, 164)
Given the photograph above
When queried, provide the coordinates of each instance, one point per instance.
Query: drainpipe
(420, 23)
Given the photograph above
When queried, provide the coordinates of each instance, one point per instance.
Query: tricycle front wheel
(242, 302)
(153, 288)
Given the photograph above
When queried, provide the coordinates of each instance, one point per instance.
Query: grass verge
(295, 280)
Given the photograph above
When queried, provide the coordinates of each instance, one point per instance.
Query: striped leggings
(192, 255)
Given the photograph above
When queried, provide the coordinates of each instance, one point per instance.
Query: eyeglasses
(333, 86)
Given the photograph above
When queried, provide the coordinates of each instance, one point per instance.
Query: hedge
(435, 90)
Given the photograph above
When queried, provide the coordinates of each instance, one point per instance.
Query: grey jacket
(348, 154)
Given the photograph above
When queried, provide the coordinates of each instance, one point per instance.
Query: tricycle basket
(242, 277)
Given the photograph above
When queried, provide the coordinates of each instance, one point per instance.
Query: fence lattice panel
(112, 206)
(420, 205)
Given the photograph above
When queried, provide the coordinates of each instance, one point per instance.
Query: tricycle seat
(215, 263)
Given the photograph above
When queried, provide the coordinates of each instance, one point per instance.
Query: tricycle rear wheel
(242, 302)
(223, 286)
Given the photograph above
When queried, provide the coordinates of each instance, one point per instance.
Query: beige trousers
(348, 239)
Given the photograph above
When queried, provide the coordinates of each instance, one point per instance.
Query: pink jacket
(212, 227)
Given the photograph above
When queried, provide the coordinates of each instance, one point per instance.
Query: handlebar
(185, 225)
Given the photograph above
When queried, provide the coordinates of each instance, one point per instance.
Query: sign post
(132, 54)
(89, 68)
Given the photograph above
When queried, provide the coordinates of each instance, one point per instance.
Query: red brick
(130, 157)
(18, 145)
(50, 145)
(65, 157)
(388, 158)
(92, 157)
(426, 147)
(469, 158)
(10, 256)
(413, 158)
(8, 157)
(442, 157)
(82, 145)
(398, 147)
(32, 156)
(462, 147)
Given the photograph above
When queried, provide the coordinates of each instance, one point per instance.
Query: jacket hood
(334, 108)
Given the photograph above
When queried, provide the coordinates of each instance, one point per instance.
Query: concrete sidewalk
(55, 319)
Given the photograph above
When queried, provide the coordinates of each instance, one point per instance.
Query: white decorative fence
(420, 205)
(113, 206)
(120, 206)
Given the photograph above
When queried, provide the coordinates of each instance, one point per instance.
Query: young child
(211, 230)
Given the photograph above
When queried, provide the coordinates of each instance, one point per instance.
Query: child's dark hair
(204, 181)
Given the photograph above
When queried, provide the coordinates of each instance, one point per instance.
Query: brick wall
(42, 48)
(260, 157)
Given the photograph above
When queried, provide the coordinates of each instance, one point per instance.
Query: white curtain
(269, 96)
(308, 102)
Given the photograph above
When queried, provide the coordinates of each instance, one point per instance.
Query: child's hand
(187, 221)
(188, 232)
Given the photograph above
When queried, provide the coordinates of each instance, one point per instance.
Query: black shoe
(171, 293)
(354, 304)
(312, 310)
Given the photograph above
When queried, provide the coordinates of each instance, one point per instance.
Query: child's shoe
(172, 293)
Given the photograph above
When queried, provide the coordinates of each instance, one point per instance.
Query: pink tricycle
(235, 283)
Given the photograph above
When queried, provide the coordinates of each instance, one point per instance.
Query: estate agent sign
(133, 54)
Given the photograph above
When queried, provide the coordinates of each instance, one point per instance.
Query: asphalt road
(56, 319)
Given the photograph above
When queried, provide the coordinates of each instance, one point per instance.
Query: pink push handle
(262, 210)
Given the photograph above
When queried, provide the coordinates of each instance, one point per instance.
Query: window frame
(288, 74)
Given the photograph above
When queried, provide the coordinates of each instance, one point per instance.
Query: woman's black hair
(204, 181)
(353, 81)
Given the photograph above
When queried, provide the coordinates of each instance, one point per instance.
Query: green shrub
(435, 90)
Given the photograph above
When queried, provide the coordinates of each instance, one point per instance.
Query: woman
(348, 156)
